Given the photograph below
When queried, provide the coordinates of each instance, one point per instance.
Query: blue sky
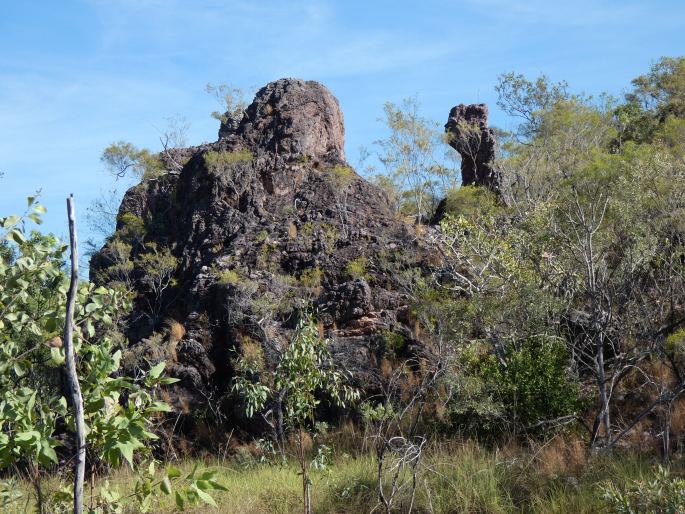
(78, 75)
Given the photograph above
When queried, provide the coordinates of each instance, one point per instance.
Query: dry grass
(457, 476)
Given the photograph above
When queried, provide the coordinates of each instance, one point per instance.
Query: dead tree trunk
(70, 361)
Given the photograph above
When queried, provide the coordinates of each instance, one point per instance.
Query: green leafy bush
(311, 277)
(33, 412)
(468, 201)
(527, 384)
(356, 268)
(664, 494)
(340, 176)
(218, 162)
(229, 277)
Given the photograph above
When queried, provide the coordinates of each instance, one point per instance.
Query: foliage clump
(120, 410)
(221, 162)
(121, 157)
(356, 268)
(528, 384)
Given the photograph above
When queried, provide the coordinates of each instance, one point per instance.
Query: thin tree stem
(70, 361)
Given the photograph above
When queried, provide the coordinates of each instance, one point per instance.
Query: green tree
(231, 99)
(585, 250)
(410, 157)
(122, 158)
(656, 99)
(33, 408)
(303, 373)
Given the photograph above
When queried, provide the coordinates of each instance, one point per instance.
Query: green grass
(455, 477)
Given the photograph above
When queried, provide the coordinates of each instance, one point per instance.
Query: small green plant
(311, 277)
(267, 257)
(664, 494)
(220, 162)
(674, 346)
(340, 176)
(303, 158)
(228, 277)
(356, 268)
(395, 343)
(262, 236)
(307, 229)
(303, 372)
(331, 235)
(159, 265)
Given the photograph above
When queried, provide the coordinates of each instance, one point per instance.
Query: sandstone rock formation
(261, 224)
(469, 134)
(291, 117)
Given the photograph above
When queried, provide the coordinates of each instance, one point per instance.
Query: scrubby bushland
(583, 248)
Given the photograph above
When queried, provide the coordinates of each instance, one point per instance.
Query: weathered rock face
(293, 117)
(467, 126)
(261, 224)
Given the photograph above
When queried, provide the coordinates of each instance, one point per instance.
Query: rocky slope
(252, 229)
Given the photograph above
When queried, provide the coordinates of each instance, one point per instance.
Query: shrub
(218, 162)
(331, 235)
(528, 382)
(228, 277)
(311, 277)
(468, 201)
(341, 176)
(356, 268)
(131, 228)
(395, 343)
(663, 494)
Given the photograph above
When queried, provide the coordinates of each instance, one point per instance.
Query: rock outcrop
(469, 134)
(259, 225)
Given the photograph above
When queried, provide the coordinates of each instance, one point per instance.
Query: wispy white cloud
(301, 37)
(362, 54)
(578, 13)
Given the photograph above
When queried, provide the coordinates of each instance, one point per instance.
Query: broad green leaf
(205, 497)
(47, 454)
(57, 355)
(10, 221)
(156, 370)
(180, 502)
(216, 485)
(18, 236)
